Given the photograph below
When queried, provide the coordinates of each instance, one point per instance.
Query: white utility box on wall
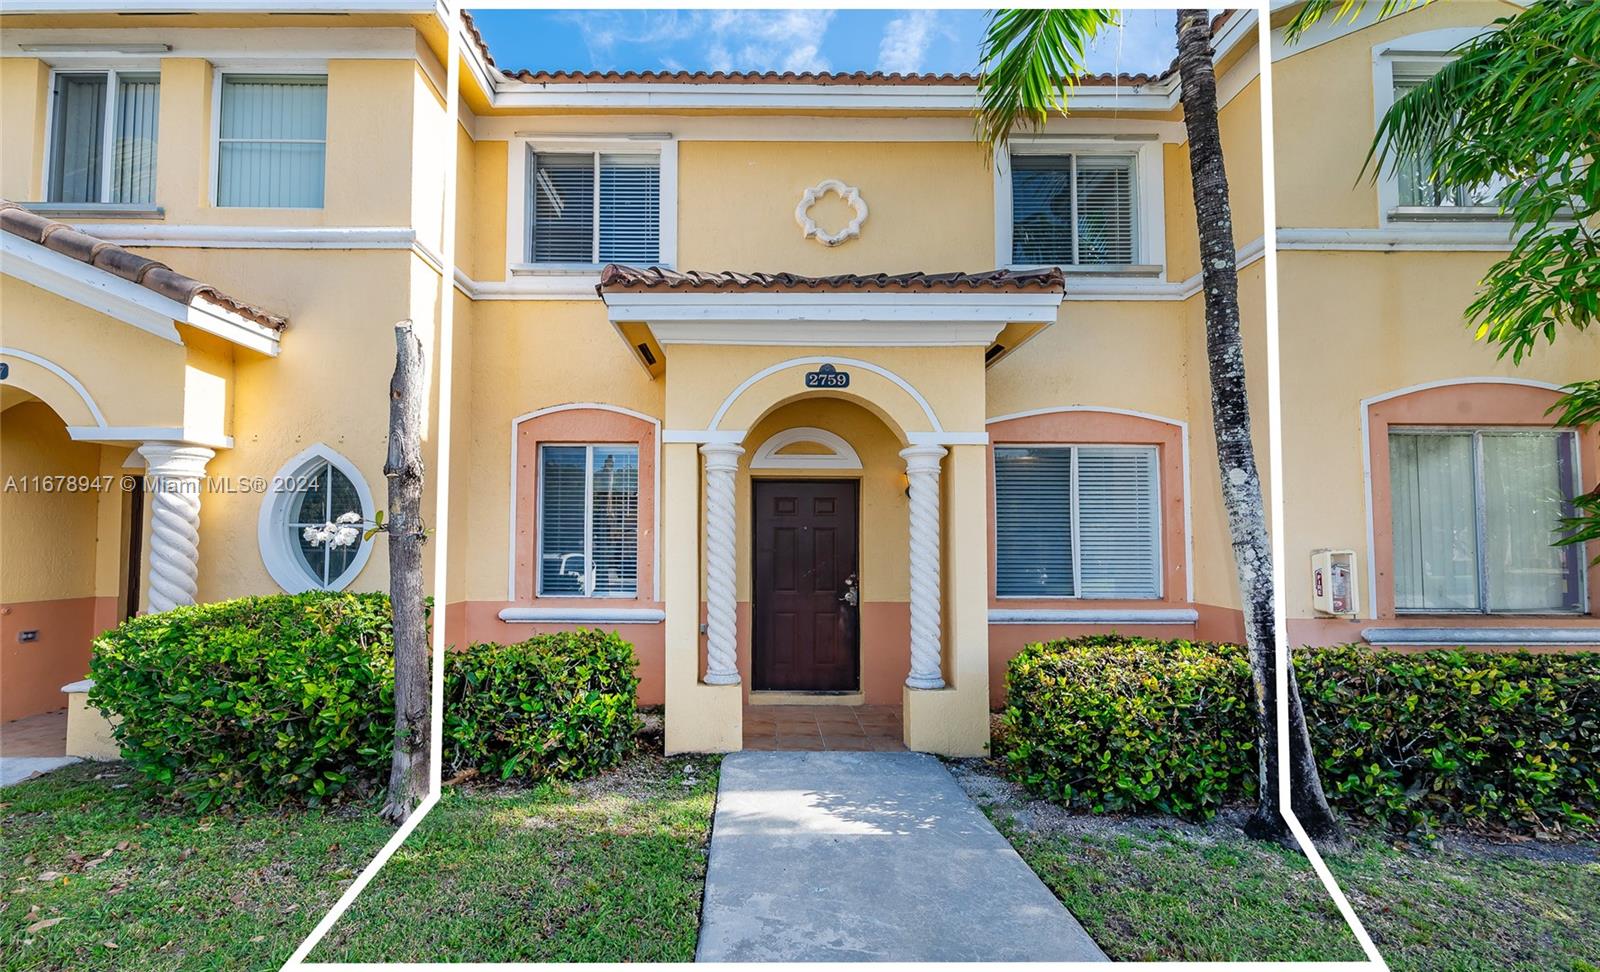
(1333, 582)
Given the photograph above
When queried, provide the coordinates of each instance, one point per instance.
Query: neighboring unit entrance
(806, 598)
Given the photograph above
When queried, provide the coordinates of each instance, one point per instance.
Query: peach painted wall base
(35, 670)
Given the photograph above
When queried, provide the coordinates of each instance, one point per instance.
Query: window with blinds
(1077, 521)
(588, 520)
(272, 135)
(1073, 210)
(1476, 513)
(589, 208)
(103, 132)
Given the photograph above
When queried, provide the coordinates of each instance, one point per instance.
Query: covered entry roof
(616, 277)
(152, 275)
(653, 308)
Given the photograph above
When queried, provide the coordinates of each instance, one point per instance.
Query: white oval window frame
(272, 535)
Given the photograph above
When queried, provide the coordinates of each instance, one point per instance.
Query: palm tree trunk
(409, 772)
(1241, 482)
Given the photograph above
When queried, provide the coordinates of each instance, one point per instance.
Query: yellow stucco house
(776, 375)
(1423, 475)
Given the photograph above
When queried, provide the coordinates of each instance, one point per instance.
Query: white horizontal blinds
(614, 520)
(1118, 528)
(1528, 485)
(1105, 211)
(563, 516)
(563, 207)
(77, 139)
(133, 148)
(630, 209)
(1033, 522)
(272, 141)
(1041, 210)
(588, 520)
(1073, 210)
(1435, 522)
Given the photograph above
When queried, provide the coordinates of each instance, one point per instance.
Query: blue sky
(783, 40)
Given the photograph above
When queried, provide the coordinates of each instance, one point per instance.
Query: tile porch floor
(37, 735)
(818, 728)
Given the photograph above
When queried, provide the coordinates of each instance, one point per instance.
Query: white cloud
(906, 39)
(767, 40)
(725, 40)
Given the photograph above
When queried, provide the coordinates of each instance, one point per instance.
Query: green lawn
(95, 873)
(608, 870)
(1160, 890)
(1472, 906)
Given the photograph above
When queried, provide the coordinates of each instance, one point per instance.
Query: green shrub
(1460, 738)
(1113, 724)
(557, 705)
(262, 698)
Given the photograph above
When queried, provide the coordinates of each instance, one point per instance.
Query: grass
(608, 870)
(96, 872)
(1158, 889)
(1470, 905)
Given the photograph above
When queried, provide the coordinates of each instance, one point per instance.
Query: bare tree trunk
(1241, 482)
(410, 770)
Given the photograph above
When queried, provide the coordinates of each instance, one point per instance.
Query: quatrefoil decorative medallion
(852, 198)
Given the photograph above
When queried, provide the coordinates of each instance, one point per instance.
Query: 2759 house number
(827, 376)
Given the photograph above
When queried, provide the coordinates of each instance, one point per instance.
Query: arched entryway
(70, 550)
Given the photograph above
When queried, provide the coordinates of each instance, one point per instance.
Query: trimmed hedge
(557, 705)
(1459, 738)
(1127, 725)
(1412, 741)
(261, 698)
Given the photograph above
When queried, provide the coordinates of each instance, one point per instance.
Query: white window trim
(579, 282)
(282, 70)
(1150, 256)
(1077, 557)
(272, 534)
(1410, 56)
(108, 123)
(588, 519)
(1479, 516)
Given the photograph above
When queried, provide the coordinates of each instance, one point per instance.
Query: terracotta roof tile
(105, 255)
(615, 278)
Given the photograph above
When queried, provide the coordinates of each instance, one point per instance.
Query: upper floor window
(103, 137)
(272, 133)
(1074, 209)
(1077, 521)
(1417, 190)
(588, 520)
(590, 208)
(1476, 513)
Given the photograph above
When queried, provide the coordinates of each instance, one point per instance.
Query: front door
(806, 593)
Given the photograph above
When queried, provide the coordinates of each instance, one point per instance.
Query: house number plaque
(827, 376)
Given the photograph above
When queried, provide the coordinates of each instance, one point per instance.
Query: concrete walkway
(855, 857)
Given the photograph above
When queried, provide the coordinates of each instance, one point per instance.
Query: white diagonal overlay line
(1280, 623)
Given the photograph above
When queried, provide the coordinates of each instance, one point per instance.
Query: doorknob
(851, 595)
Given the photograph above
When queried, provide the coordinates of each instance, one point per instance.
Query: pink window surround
(1477, 404)
(1085, 427)
(581, 426)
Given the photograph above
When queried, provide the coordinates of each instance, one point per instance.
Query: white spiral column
(173, 481)
(922, 470)
(722, 462)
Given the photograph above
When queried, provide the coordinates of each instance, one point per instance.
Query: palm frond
(1314, 10)
(1030, 60)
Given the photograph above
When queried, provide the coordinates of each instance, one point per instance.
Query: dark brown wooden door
(806, 630)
